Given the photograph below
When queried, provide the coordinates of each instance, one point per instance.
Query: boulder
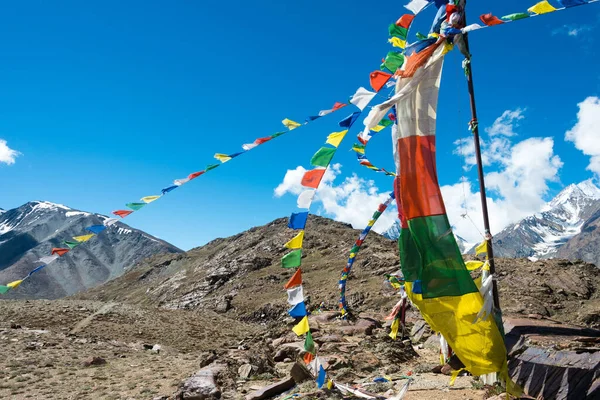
(272, 390)
(202, 385)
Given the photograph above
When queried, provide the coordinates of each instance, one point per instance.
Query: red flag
(308, 357)
(405, 21)
(195, 175)
(450, 9)
(363, 141)
(262, 140)
(490, 20)
(378, 79)
(60, 252)
(338, 105)
(295, 280)
(122, 213)
(312, 178)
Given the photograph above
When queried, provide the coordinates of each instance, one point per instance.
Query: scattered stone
(244, 371)
(15, 326)
(299, 373)
(94, 361)
(156, 348)
(272, 390)
(202, 385)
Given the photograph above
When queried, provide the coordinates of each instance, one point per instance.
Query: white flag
(306, 198)
(110, 221)
(417, 5)
(179, 182)
(48, 259)
(295, 295)
(362, 98)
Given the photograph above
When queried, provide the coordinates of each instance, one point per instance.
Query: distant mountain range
(33, 229)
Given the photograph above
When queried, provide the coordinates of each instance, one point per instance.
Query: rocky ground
(214, 320)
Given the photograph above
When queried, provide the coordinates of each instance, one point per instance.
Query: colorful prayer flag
(149, 199)
(83, 238)
(295, 280)
(490, 20)
(110, 221)
(295, 295)
(59, 251)
(168, 189)
(222, 157)
(308, 357)
(359, 148)
(393, 60)
(362, 97)
(349, 120)
(394, 328)
(397, 31)
(309, 344)
(95, 228)
(335, 138)
(292, 259)
(122, 213)
(182, 181)
(336, 106)
(321, 377)
(298, 220)
(312, 178)
(290, 124)
(71, 245)
(515, 17)
(296, 242)
(417, 5)
(397, 42)
(378, 79)
(302, 327)
(473, 265)
(481, 248)
(48, 259)
(211, 166)
(15, 284)
(323, 157)
(543, 7)
(306, 197)
(135, 206)
(194, 175)
(571, 3)
(298, 311)
(33, 271)
(405, 21)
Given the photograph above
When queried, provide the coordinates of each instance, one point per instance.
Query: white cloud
(7, 155)
(584, 134)
(518, 184)
(353, 201)
(572, 30)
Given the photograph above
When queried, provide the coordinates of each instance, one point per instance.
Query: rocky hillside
(32, 230)
(241, 276)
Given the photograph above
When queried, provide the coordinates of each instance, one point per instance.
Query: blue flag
(349, 120)
(95, 228)
(321, 377)
(571, 3)
(167, 190)
(298, 311)
(298, 220)
(35, 270)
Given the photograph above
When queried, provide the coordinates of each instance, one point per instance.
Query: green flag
(211, 166)
(354, 249)
(71, 245)
(393, 61)
(397, 31)
(323, 157)
(514, 17)
(293, 259)
(278, 134)
(4, 289)
(309, 344)
(135, 206)
(385, 122)
(421, 36)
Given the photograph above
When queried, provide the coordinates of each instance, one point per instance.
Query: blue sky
(109, 102)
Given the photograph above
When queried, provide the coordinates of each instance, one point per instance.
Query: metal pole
(484, 208)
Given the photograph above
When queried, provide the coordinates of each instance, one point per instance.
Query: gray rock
(272, 390)
(202, 385)
(244, 371)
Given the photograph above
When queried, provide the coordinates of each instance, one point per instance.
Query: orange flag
(122, 213)
(295, 280)
(308, 357)
(378, 79)
(312, 178)
(60, 252)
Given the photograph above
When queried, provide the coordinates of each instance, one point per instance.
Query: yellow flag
(473, 265)
(371, 222)
(543, 7)
(290, 124)
(481, 248)
(302, 327)
(14, 284)
(149, 199)
(335, 138)
(395, 326)
(296, 242)
(378, 128)
(222, 157)
(397, 42)
(84, 238)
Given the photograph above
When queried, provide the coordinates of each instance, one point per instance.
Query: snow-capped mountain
(543, 234)
(33, 229)
(393, 233)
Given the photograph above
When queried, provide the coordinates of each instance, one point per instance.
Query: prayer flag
(222, 157)
(15, 284)
(296, 242)
(309, 344)
(290, 124)
(33, 271)
(405, 21)
(302, 327)
(182, 181)
(322, 375)
(481, 248)
(335, 138)
(516, 16)
(4, 289)
(393, 60)
(298, 220)
(572, 3)
(95, 228)
(378, 79)
(48, 259)
(323, 157)
(397, 31)
(59, 251)
(417, 5)
(336, 106)
(490, 20)
(543, 7)
(349, 120)
(395, 326)
(359, 148)
(194, 175)
(71, 245)
(150, 199)
(472, 27)
(397, 42)
(122, 213)
(308, 357)
(378, 128)
(295, 280)
(305, 198)
(168, 189)
(362, 98)
(277, 134)
(83, 238)
(312, 178)
(211, 166)
(135, 206)
(110, 221)
(292, 259)
(295, 295)
(298, 311)
(473, 265)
